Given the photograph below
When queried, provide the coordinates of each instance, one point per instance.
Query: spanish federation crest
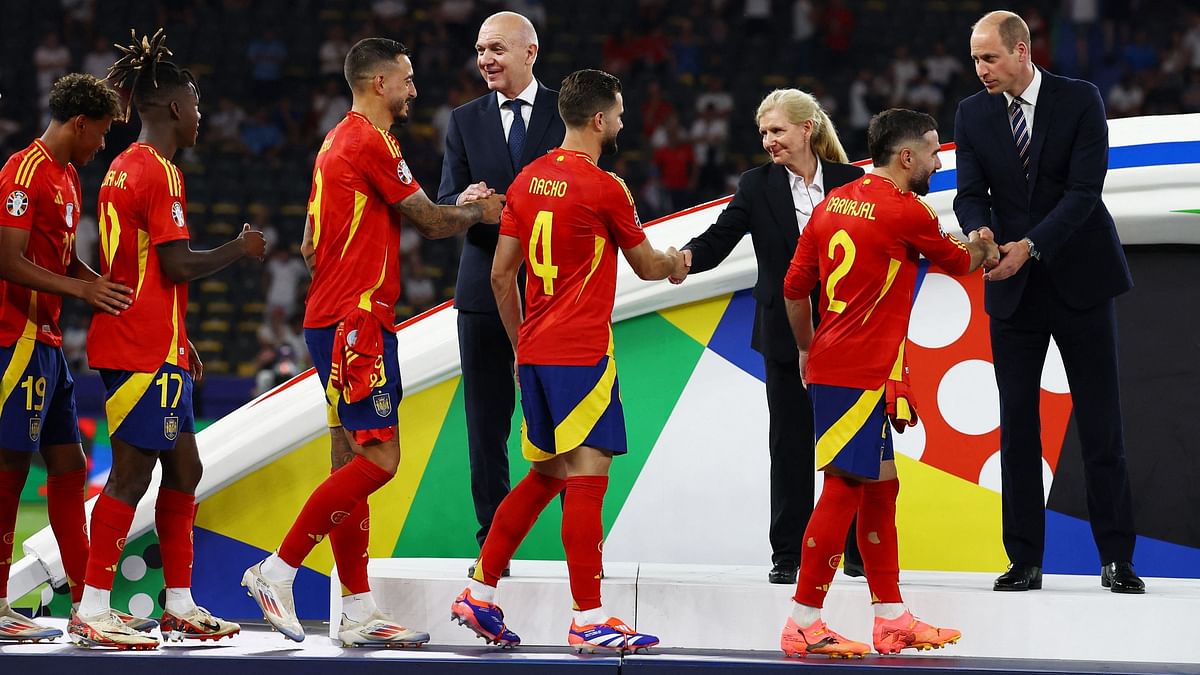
(18, 202)
(403, 173)
(35, 428)
(177, 214)
(171, 427)
(383, 404)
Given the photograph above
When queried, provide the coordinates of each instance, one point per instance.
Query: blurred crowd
(693, 72)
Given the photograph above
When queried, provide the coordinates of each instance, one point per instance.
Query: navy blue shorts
(377, 410)
(37, 397)
(149, 410)
(569, 406)
(851, 429)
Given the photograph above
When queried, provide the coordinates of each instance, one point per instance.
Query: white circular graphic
(133, 567)
(17, 203)
(403, 173)
(968, 399)
(141, 605)
(941, 312)
(1054, 374)
(989, 475)
(911, 443)
(177, 214)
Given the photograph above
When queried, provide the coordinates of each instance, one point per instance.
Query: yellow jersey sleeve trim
(29, 167)
(621, 182)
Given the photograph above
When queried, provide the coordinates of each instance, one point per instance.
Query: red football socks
(11, 483)
(825, 538)
(111, 519)
(877, 539)
(511, 523)
(329, 505)
(64, 504)
(583, 538)
(350, 541)
(174, 513)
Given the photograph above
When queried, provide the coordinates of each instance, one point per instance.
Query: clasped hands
(1001, 261)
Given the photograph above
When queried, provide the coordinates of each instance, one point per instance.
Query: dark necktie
(516, 133)
(1020, 132)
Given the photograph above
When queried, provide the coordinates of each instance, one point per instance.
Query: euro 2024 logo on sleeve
(177, 214)
(17, 203)
(403, 173)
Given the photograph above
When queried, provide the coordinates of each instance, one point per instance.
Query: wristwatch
(1033, 252)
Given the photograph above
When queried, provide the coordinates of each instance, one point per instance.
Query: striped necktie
(516, 133)
(1020, 132)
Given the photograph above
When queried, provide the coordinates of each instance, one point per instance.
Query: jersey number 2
(543, 269)
(843, 241)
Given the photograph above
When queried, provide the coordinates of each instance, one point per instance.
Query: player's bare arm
(504, 284)
(100, 292)
(652, 264)
(308, 250)
(438, 221)
(181, 264)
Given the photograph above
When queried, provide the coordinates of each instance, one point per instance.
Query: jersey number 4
(543, 269)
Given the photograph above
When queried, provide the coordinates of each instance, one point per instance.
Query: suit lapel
(539, 121)
(491, 135)
(779, 201)
(1041, 122)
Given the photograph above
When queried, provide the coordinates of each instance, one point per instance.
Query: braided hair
(144, 74)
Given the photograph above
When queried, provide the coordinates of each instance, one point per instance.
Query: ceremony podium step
(714, 607)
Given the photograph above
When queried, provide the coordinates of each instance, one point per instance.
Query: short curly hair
(80, 94)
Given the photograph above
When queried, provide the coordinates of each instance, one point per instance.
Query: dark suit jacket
(477, 151)
(1058, 207)
(763, 207)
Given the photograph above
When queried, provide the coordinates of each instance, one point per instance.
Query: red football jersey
(863, 244)
(359, 174)
(41, 196)
(142, 204)
(570, 217)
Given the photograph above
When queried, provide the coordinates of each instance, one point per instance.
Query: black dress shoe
(471, 571)
(784, 572)
(1121, 578)
(1019, 577)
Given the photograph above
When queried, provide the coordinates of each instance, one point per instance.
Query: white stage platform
(1072, 617)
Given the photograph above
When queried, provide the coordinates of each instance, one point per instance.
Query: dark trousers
(489, 398)
(1087, 340)
(793, 461)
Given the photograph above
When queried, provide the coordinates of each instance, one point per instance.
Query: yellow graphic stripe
(333, 396)
(898, 367)
(29, 166)
(22, 353)
(837, 436)
(31, 327)
(393, 146)
(360, 203)
(893, 269)
(173, 355)
(596, 256)
(364, 300)
(121, 403)
(143, 257)
(932, 213)
(173, 183)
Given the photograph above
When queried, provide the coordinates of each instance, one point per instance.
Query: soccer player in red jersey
(40, 191)
(863, 245)
(144, 356)
(565, 220)
(361, 188)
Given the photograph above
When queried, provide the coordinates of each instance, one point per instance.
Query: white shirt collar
(818, 178)
(1030, 94)
(527, 95)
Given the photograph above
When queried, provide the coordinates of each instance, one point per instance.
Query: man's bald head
(506, 51)
(1010, 27)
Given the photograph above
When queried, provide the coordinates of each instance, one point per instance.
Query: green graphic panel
(137, 587)
(654, 363)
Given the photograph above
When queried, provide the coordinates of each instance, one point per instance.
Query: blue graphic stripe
(1124, 157)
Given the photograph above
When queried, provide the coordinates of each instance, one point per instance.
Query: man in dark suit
(773, 202)
(1032, 155)
(488, 141)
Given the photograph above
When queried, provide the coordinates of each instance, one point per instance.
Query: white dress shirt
(1028, 99)
(806, 196)
(527, 97)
